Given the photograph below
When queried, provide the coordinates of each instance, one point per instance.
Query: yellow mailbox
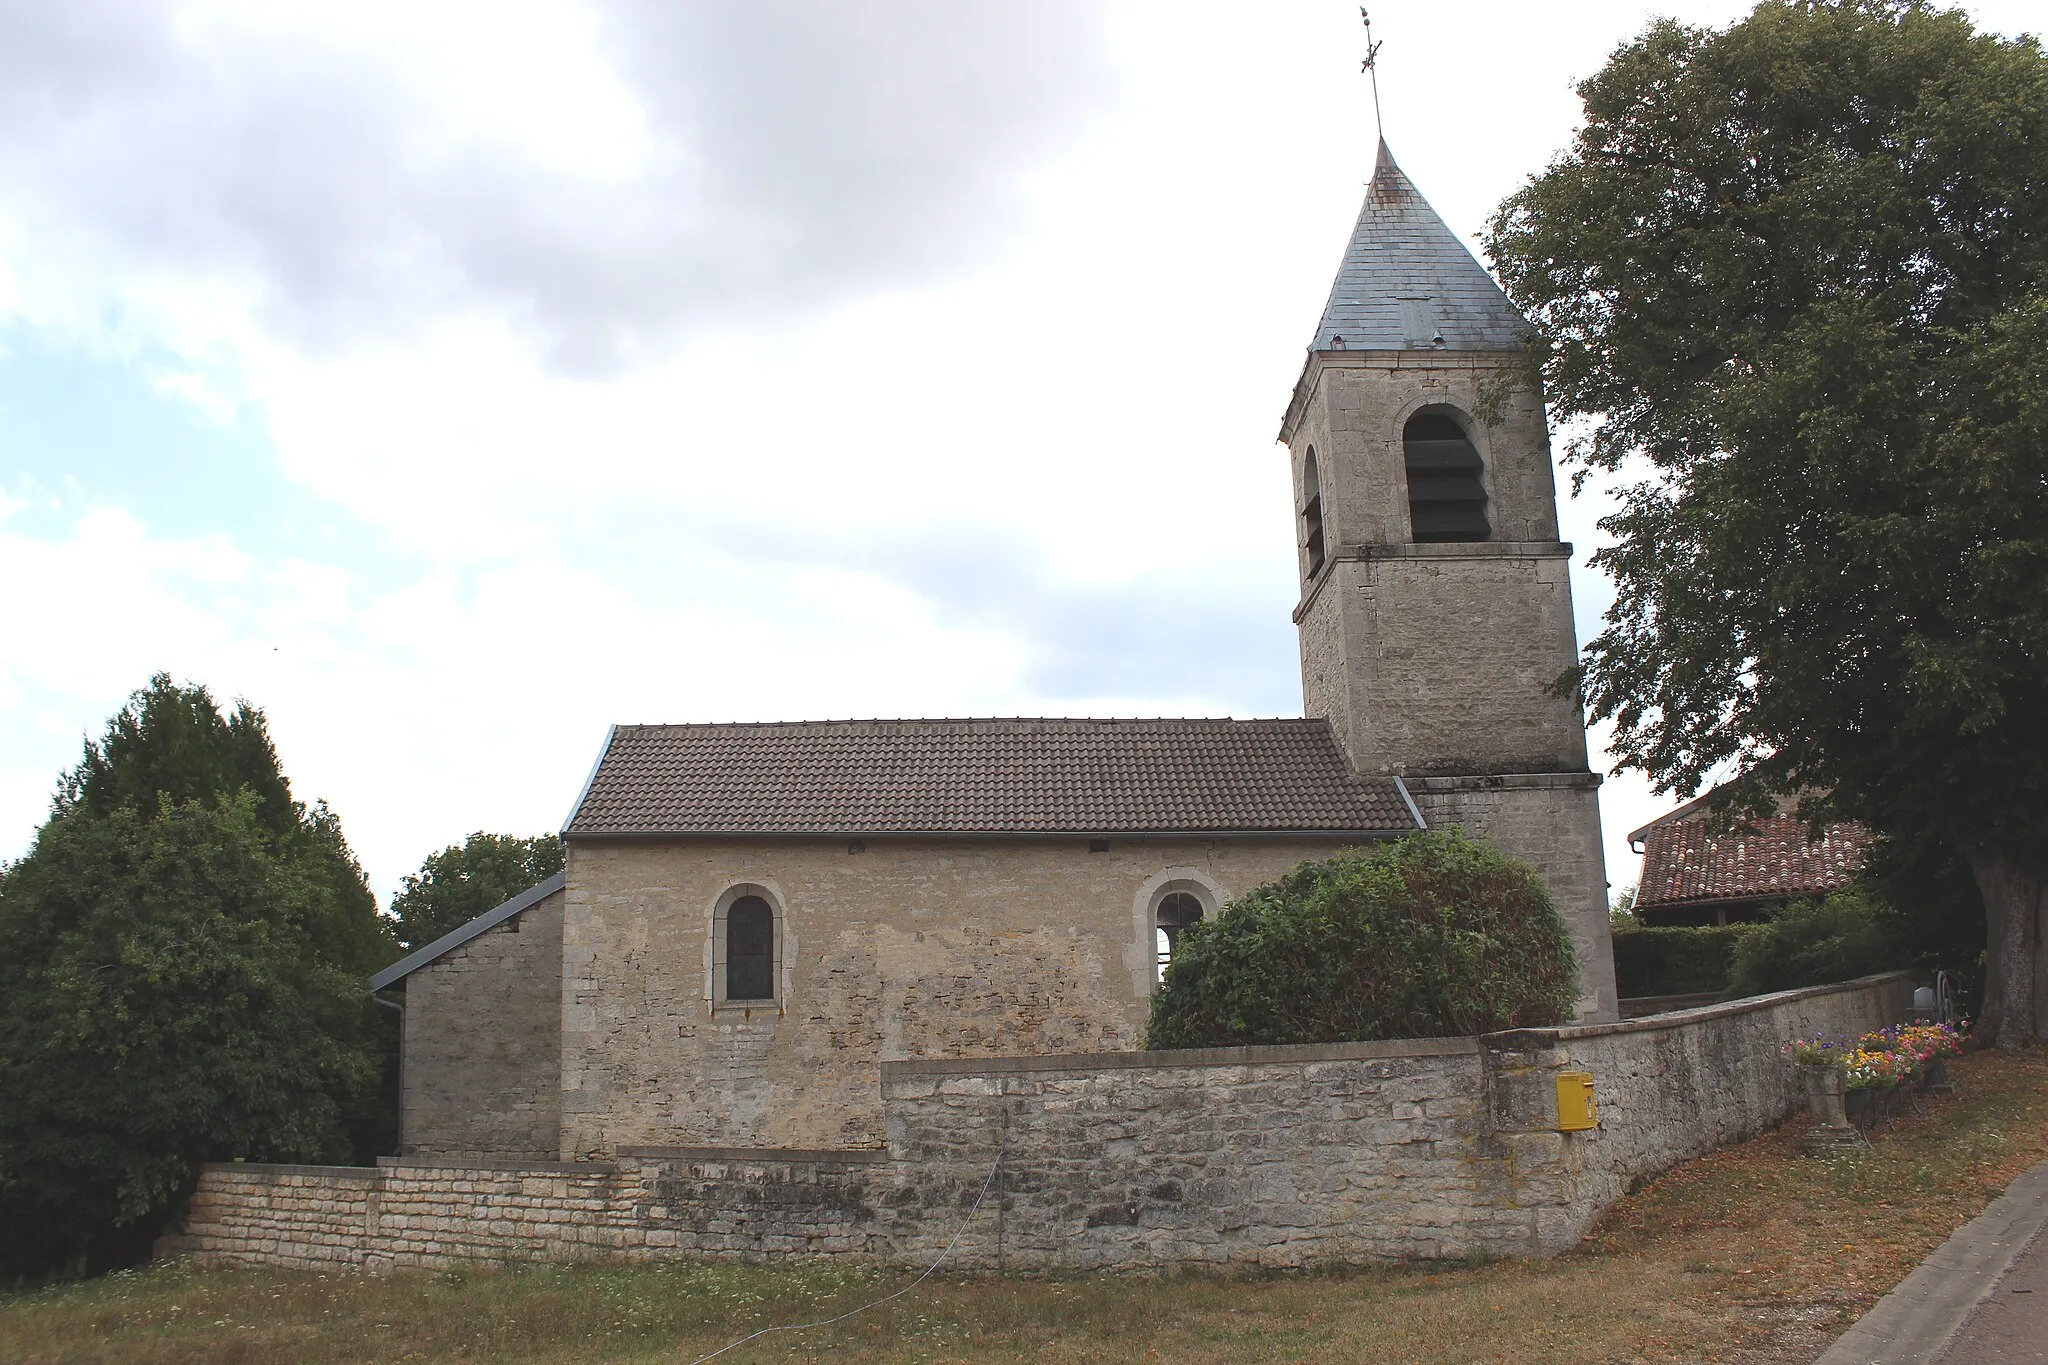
(1576, 1111)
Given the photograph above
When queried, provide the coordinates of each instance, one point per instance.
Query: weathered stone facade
(906, 949)
(482, 1050)
(1258, 1156)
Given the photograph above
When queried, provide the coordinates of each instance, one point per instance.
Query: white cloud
(706, 361)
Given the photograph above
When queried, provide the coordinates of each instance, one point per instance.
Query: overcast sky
(454, 380)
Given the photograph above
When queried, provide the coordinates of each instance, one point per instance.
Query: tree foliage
(464, 880)
(183, 982)
(1795, 273)
(1435, 935)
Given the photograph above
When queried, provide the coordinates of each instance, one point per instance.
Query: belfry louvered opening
(1312, 512)
(1446, 497)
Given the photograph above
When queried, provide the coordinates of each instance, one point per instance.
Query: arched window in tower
(1312, 511)
(1446, 498)
(1174, 911)
(750, 950)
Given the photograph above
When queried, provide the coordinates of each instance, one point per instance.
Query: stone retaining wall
(1267, 1156)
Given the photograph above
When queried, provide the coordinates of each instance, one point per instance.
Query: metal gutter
(1409, 801)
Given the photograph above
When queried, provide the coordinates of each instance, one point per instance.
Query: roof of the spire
(1407, 280)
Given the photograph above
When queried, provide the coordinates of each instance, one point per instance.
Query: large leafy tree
(464, 880)
(182, 981)
(1794, 274)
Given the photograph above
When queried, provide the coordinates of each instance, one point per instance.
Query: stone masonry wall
(649, 1205)
(483, 1043)
(1675, 1086)
(1260, 1156)
(904, 949)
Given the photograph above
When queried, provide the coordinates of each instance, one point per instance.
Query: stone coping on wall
(460, 1162)
(1565, 1033)
(286, 1168)
(833, 1156)
(1195, 1056)
(1569, 781)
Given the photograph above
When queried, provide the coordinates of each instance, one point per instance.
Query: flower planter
(1831, 1129)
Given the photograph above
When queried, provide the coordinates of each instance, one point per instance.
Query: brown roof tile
(982, 777)
(1696, 859)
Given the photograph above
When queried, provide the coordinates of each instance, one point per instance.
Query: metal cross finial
(1372, 70)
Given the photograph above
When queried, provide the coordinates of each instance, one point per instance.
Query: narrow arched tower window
(1175, 912)
(1312, 511)
(750, 950)
(1446, 497)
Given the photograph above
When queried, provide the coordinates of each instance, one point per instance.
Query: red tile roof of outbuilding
(1695, 859)
(982, 777)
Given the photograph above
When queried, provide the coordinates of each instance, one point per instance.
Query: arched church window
(1446, 496)
(750, 949)
(1312, 511)
(1175, 910)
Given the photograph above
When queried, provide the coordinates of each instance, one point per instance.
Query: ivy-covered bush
(1850, 934)
(1436, 935)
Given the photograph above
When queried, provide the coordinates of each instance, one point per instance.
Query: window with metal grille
(750, 950)
(1312, 511)
(1446, 496)
(1176, 911)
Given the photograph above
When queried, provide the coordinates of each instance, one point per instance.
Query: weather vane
(1372, 69)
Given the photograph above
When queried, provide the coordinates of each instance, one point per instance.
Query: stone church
(754, 917)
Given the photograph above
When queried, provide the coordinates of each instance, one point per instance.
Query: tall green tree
(464, 880)
(183, 981)
(1794, 274)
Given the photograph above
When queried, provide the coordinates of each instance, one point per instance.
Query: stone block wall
(1675, 1086)
(892, 948)
(423, 1213)
(1259, 1156)
(1268, 1156)
(483, 1042)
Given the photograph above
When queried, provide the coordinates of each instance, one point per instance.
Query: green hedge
(1850, 934)
(1434, 935)
(1676, 961)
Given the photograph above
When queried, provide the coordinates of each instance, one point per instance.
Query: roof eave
(455, 938)
(643, 836)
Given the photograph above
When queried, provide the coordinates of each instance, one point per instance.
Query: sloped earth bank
(1755, 1254)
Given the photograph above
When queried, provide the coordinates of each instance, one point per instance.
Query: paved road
(1980, 1299)
(2010, 1324)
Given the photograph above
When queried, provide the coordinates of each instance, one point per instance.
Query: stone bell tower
(1436, 605)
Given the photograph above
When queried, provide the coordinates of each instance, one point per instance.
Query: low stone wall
(650, 1203)
(1266, 1156)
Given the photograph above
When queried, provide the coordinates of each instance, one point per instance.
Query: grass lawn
(1753, 1254)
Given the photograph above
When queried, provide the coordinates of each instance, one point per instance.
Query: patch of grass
(1755, 1254)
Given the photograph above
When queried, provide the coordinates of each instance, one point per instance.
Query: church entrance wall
(1285, 1156)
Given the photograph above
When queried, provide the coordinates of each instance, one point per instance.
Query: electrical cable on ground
(986, 1186)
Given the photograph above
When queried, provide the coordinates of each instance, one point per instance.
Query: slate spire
(1408, 283)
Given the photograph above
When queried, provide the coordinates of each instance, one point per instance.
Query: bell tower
(1436, 605)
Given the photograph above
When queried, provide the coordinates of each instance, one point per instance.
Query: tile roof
(1696, 859)
(1406, 278)
(982, 777)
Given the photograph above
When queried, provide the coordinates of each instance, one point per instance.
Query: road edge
(1915, 1322)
